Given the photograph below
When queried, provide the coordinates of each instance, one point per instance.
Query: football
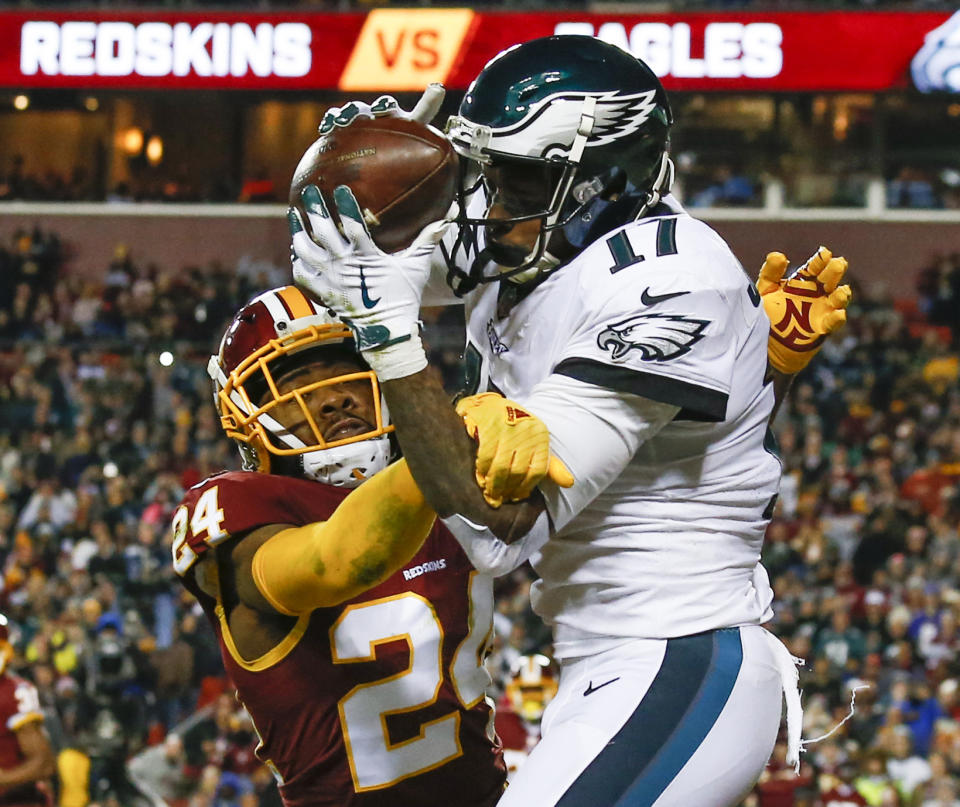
(402, 173)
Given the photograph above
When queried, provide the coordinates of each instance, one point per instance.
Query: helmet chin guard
(348, 465)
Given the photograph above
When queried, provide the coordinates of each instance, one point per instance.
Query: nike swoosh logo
(652, 299)
(365, 295)
(591, 688)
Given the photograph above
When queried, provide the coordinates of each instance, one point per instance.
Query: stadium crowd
(99, 436)
(707, 184)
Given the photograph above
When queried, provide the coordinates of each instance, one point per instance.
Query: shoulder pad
(234, 503)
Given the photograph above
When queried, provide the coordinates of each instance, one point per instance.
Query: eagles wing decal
(615, 116)
(620, 115)
(658, 337)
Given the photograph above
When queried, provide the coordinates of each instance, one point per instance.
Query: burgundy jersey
(378, 702)
(19, 705)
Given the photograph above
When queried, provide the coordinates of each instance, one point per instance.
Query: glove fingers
(320, 227)
(771, 273)
(558, 473)
(833, 273)
(493, 501)
(816, 262)
(498, 478)
(344, 116)
(428, 238)
(833, 320)
(470, 402)
(429, 104)
(486, 453)
(840, 297)
(522, 484)
(386, 105)
(351, 219)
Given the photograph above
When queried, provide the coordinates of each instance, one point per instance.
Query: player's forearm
(442, 457)
(374, 532)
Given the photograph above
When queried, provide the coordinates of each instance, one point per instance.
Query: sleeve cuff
(19, 720)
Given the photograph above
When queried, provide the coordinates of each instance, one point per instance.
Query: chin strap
(544, 266)
(584, 129)
(660, 188)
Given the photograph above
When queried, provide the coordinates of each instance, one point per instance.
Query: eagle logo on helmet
(657, 337)
(614, 116)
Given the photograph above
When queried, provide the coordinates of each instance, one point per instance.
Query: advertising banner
(404, 49)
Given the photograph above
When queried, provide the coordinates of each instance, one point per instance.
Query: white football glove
(375, 293)
(424, 111)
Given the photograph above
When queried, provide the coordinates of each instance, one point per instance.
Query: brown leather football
(403, 174)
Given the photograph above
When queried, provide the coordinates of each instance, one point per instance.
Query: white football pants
(686, 722)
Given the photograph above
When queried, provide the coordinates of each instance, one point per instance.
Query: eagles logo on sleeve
(657, 337)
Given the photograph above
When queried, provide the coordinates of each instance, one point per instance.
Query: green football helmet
(567, 130)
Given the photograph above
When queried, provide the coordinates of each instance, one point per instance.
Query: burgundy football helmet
(275, 331)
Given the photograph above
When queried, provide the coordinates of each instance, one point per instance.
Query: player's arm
(372, 534)
(442, 457)
(594, 430)
(38, 762)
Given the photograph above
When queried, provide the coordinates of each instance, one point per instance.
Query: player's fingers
(469, 424)
(470, 402)
(771, 272)
(529, 471)
(328, 121)
(833, 273)
(320, 227)
(385, 105)
(497, 480)
(840, 297)
(429, 104)
(494, 501)
(486, 453)
(833, 320)
(351, 219)
(558, 473)
(294, 222)
(816, 262)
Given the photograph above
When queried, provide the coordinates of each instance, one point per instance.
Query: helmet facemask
(273, 421)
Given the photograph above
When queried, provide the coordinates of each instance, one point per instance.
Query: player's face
(514, 191)
(340, 410)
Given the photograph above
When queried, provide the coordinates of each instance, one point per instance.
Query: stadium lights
(21, 102)
(154, 150)
(132, 140)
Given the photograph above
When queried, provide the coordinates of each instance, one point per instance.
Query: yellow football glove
(804, 308)
(513, 454)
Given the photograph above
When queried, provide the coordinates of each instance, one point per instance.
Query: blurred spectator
(727, 188)
(912, 188)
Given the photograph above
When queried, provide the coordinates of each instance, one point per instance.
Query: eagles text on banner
(405, 49)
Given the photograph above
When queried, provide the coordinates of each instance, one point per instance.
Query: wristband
(399, 359)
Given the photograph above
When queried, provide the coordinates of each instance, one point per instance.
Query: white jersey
(645, 356)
